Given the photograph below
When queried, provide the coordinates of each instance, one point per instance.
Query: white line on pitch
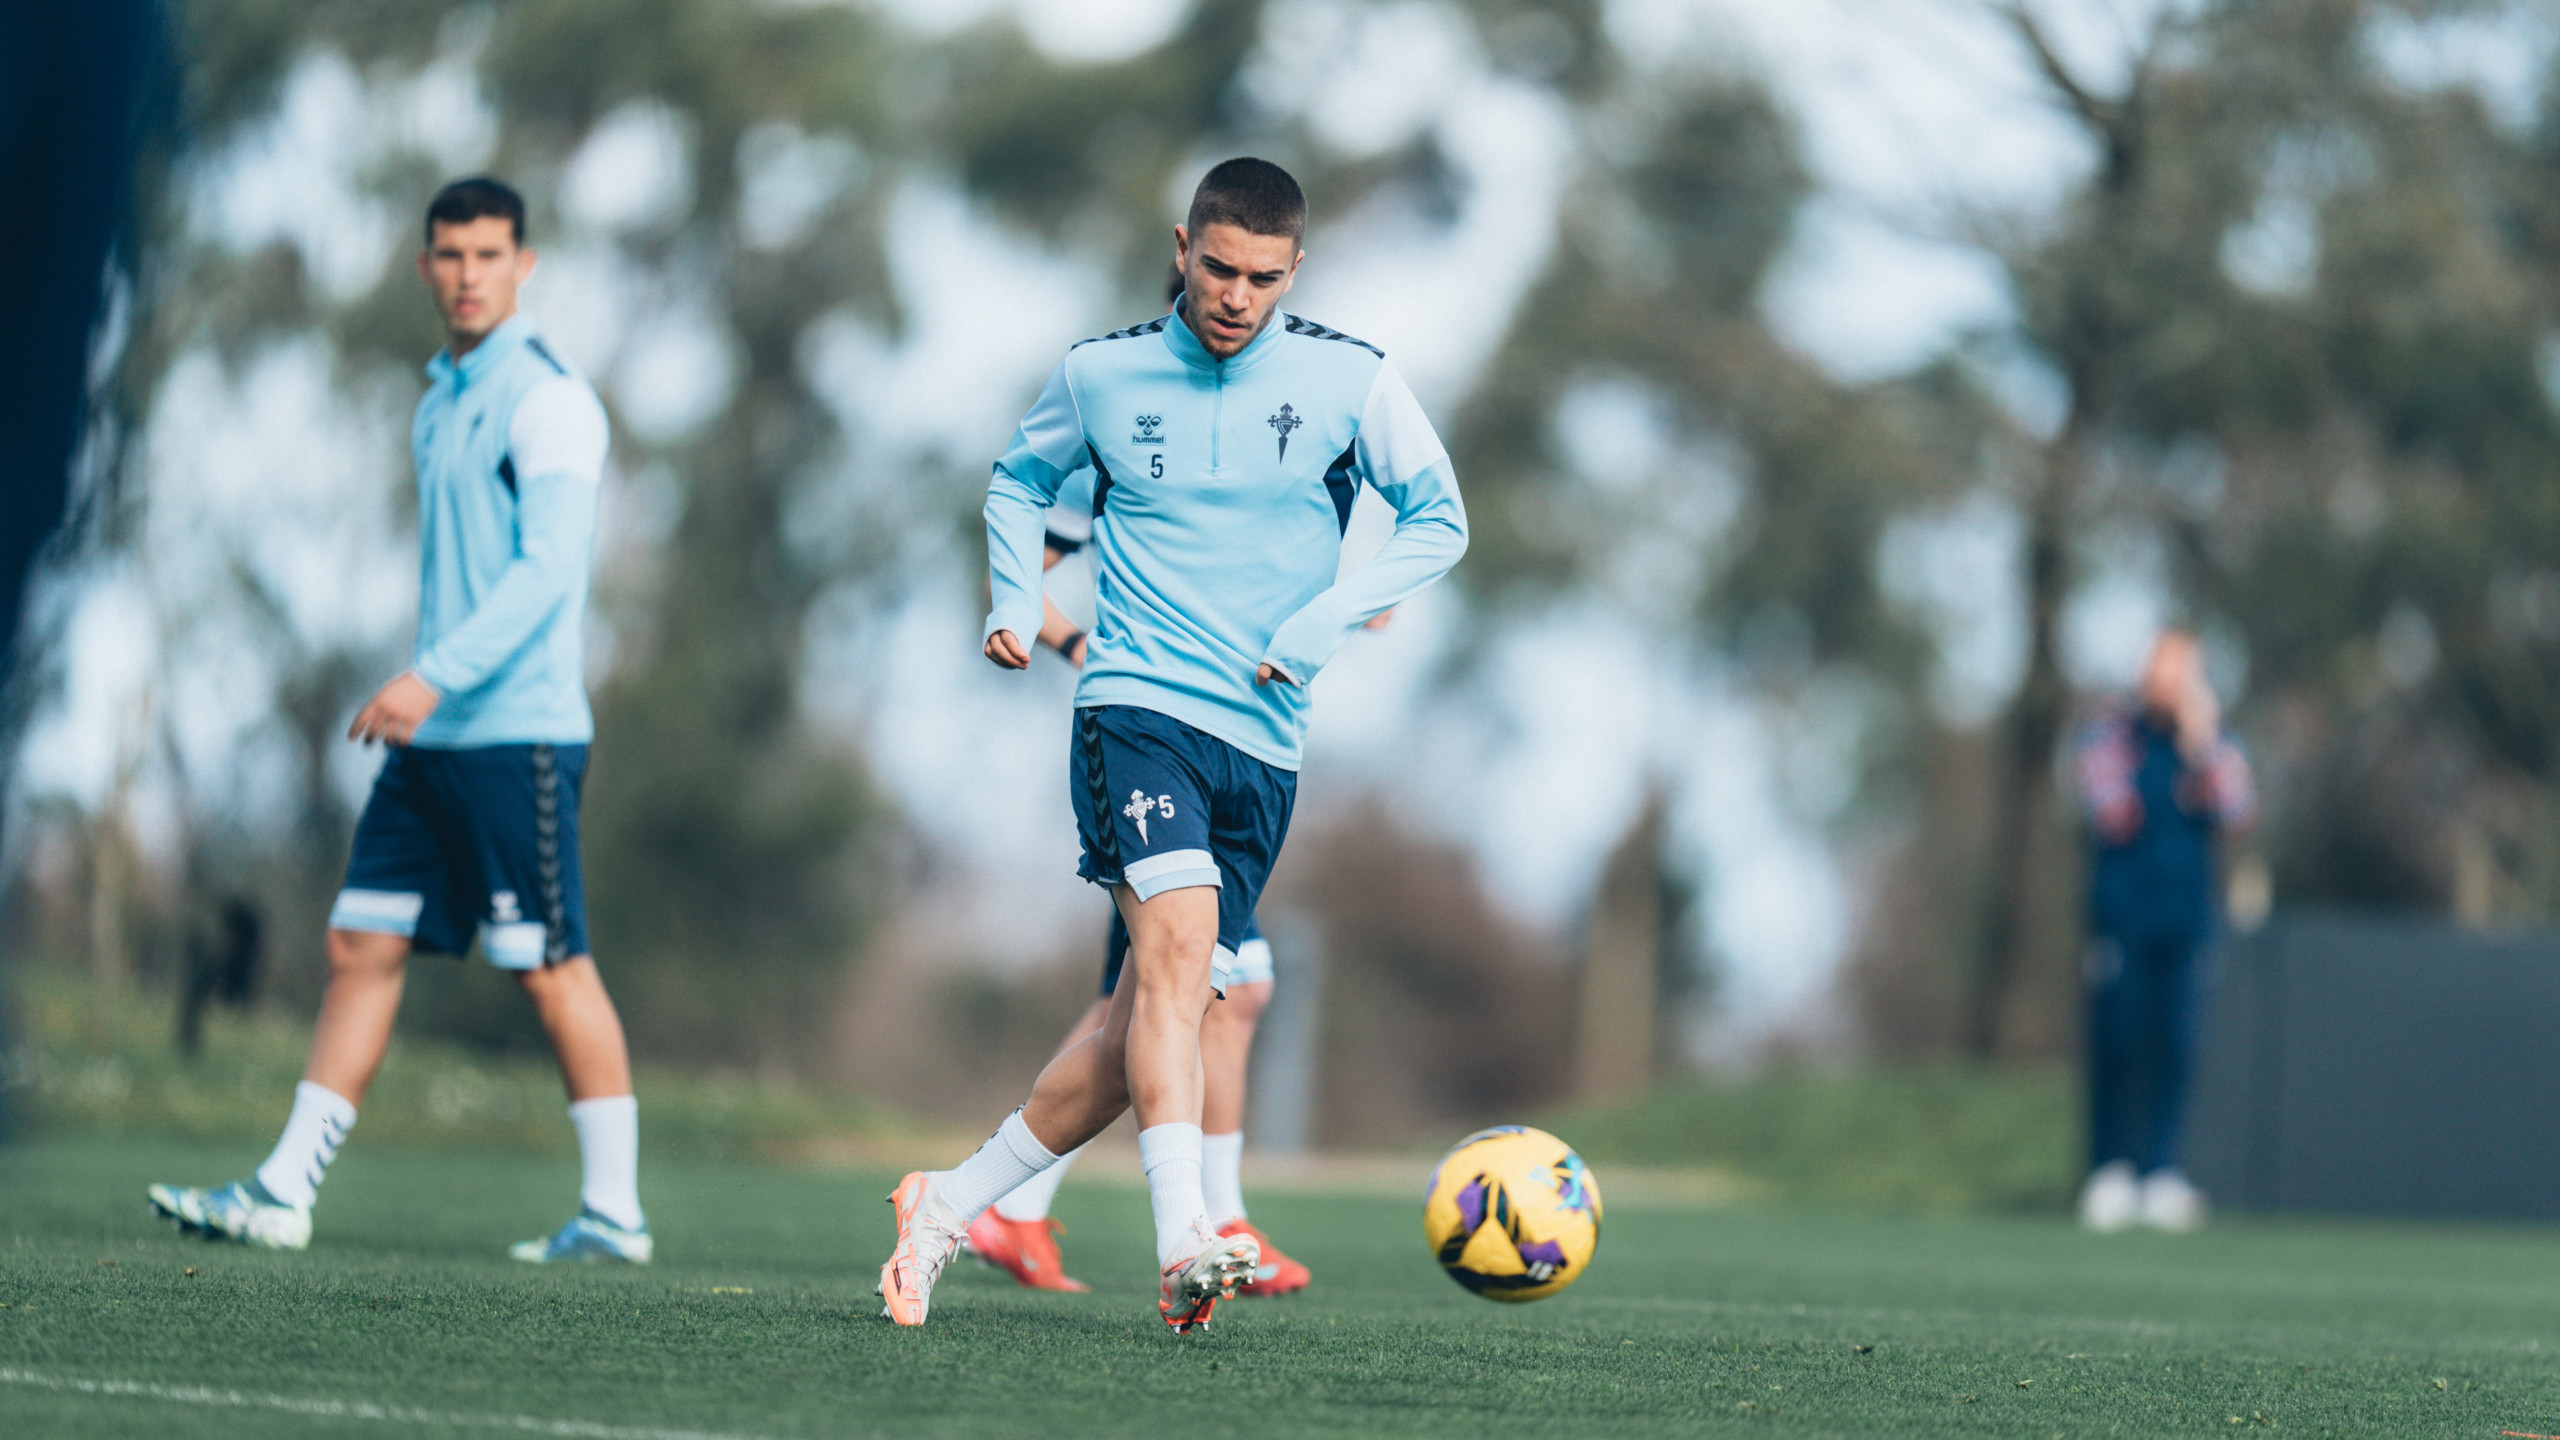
(348, 1410)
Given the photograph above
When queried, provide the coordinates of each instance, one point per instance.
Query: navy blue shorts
(458, 844)
(1253, 957)
(1161, 805)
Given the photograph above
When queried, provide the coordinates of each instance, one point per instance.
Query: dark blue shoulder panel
(1299, 325)
(1342, 479)
(1101, 476)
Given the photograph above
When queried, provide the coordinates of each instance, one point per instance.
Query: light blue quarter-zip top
(509, 446)
(1221, 490)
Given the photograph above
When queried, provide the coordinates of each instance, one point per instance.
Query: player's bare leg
(595, 1066)
(1171, 940)
(1146, 1056)
(585, 1029)
(272, 1209)
(1226, 1050)
(367, 971)
(1147, 1053)
(1226, 1055)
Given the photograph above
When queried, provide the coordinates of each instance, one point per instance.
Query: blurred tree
(2298, 307)
(735, 857)
(1439, 1010)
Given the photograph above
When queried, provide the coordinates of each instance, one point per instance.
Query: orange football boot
(1194, 1284)
(926, 1243)
(1027, 1250)
(1276, 1275)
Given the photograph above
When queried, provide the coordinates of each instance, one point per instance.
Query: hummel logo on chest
(1284, 422)
(1150, 430)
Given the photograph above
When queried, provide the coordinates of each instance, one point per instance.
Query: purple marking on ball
(1471, 1206)
(1544, 1251)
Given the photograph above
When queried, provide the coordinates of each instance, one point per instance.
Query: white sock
(1011, 1156)
(609, 1144)
(1171, 1157)
(1222, 1176)
(318, 1125)
(1029, 1200)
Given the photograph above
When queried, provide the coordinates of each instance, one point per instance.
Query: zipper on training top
(1217, 413)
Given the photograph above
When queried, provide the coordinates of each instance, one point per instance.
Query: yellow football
(1513, 1214)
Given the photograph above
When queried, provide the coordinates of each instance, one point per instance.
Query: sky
(1536, 763)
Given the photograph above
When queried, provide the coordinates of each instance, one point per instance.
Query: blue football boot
(588, 1238)
(241, 1211)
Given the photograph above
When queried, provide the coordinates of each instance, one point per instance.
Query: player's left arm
(556, 441)
(1401, 457)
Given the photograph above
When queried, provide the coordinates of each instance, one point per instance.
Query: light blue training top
(1221, 492)
(509, 447)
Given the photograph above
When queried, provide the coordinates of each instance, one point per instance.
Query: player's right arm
(1401, 457)
(1048, 448)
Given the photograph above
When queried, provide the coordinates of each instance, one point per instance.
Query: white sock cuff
(1026, 1147)
(326, 1103)
(1009, 1157)
(1029, 1201)
(604, 1106)
(1160, 1143)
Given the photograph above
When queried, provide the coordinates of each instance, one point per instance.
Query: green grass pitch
(407, 1319)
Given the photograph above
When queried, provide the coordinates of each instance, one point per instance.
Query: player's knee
(1174, 950)
(1182, 970)
(365, 954)
(573, 979)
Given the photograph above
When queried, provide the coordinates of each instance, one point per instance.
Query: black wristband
(1068, 646)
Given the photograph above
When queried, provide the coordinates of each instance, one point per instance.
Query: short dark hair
(467, 200)
(1255, 196)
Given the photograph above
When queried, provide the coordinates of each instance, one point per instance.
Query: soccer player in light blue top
(1228, 441)
(472, 828)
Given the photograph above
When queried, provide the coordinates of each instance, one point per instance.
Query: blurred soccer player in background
(472, 828)
(2160, 783)
(1228, 441)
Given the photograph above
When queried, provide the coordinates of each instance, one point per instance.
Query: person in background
(471, 833)
(2159, 784)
